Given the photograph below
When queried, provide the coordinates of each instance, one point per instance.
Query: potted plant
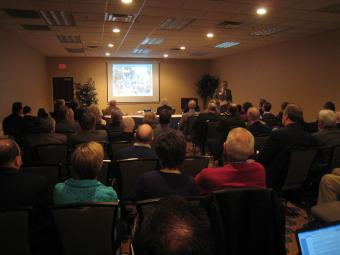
(206, 87)
(86, 93)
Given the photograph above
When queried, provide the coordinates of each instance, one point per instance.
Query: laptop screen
(320, 241)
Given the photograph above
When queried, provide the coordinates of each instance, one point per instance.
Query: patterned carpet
(296, 218)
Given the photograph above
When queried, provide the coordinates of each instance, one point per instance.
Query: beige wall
(305, 71)
(177, 78)
(22, 76)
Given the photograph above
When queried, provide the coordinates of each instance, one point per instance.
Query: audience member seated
(268, 117)
(127, 134)
(245, 108)
(12, 124)
(18, 188)
(112, 106)
(329, 189)
(183, 123)
(141, 148)
(100, 123)
(175, 226)
(30, 123)
(114, 126)
(59, 106)
(328, 135)
(170, 148)
(150, 118)
(329, 106)
(47, 135)
(164, 106)
(280, 114)
(255, 126)
(275, 154)
(261, 103)
(164, 121)
(338, 120)
(200, 126)
(67, 124)
(88, 131)
(42, 114)
(239, 171)
(87, 160)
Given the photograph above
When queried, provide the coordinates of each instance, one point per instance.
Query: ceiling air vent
(141, 51)
(24, 14)
(229, 24)
(75, 50)
(174, 49)
(93, 46)
(58, 18)
(176, 23)
(69, 38)
(269, 30)
(126, 18)
(35, 27)
(333, 8)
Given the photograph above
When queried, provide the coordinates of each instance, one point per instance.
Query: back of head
(329, 106)
(239, 145)
(144, 134)
(87, 160)
(149, 118)
(294, 113)
(246, 106)
(284, 105)
(212, 107)
(116, 118)
(128, 124)
(113, 103)
(164, 101)
(61, 113)
(267, 106)
(47, 125)
(69, 114)
(26, 109)
(59, 103)
(253, 114)
(164, 117)
(42, 113)
(9, 150)
(175, 227)
(96, 112)
(192, 105)
(327, 118)
(88, 121)
(170, 148)
(16, 107)
(232, 109)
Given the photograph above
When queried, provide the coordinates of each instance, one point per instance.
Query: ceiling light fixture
(165, 55)
(116, 30)
(110, 45)
(210, 35)
(107, 54)
(182, 47)
(226, 45)
(261, 11)
(126, 1)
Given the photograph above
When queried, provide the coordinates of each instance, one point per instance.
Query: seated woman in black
(170, 148)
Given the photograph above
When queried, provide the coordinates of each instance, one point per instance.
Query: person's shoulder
(106, 193)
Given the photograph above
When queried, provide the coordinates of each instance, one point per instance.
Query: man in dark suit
(255, 126)
(225, 93)
(141, 148)
(12, 124)
(17, 188)
(268, 117)
(88, 131)
(275, 154)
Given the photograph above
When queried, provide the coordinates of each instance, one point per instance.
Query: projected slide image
(132, 80)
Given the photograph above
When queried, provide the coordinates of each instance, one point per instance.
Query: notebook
(320, 240)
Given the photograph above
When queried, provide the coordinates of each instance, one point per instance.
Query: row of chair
(242, 220)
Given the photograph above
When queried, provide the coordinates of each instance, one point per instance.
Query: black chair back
(14, 231)
(116, 146)
(193, 165)
(86, 228)
(260, 141)
(300, 162)
(191, 122)
(335, 161)
(52, 154)
(130, 170)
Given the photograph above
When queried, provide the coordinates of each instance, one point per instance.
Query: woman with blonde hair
(100, 123)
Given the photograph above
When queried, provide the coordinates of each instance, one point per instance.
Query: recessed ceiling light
(210, 35)
(126, 1)
(165, 55)
(261, 11)
(107, 54)
(116, 30)
(110, 45)
(182, 47)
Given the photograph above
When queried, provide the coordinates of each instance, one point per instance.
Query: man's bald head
(144, 134)
(253, 114)
(9, 154)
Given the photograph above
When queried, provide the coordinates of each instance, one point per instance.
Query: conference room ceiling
(152, 28)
